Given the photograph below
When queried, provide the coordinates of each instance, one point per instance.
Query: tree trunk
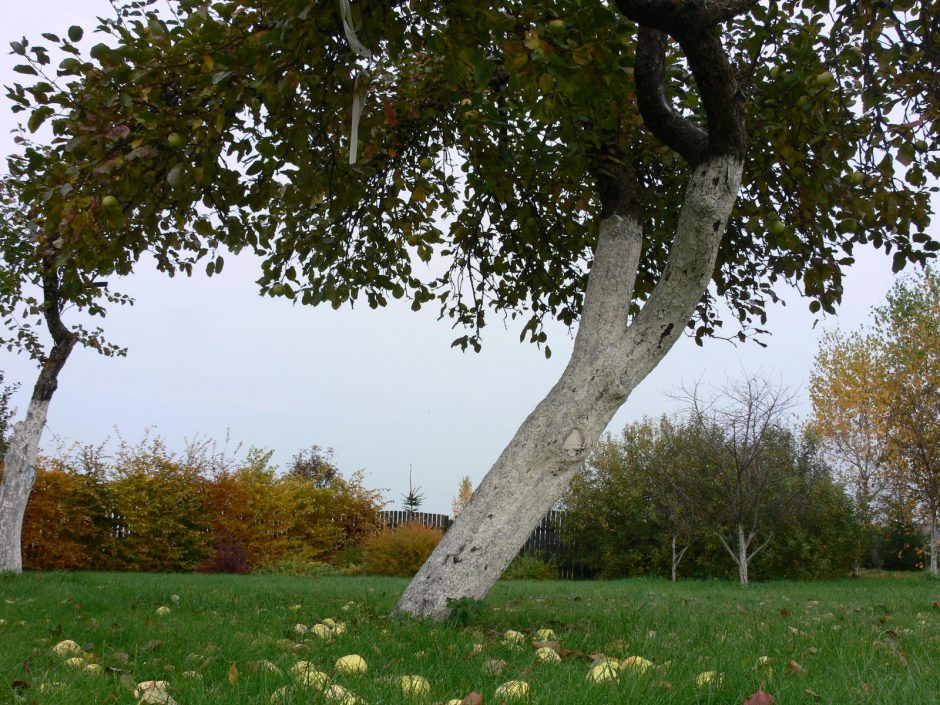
(19, 463)
(609, 359)
(18, 477)
(933, 543)
(742, 556)
(673, 558)
(676, 557)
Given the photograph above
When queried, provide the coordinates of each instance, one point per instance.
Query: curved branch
(694, 24)
(668, 126)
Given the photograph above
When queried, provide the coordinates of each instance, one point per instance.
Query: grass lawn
(232, 639)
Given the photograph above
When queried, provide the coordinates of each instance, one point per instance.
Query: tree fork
(609, 359)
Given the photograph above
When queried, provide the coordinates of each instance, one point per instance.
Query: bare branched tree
(741, 466)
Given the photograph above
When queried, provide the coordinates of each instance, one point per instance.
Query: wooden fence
(391, 519)
(544, 542)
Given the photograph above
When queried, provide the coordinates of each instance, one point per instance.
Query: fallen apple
(513, 690)
(354, 663)
(415, 686)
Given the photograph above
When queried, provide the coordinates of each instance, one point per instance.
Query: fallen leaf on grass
(571, 653)
(233, 674)
(153, 645)
(551, 644)
(474, 698)
(813, 694)
(760, 698)
(493, 666)
(794, 668)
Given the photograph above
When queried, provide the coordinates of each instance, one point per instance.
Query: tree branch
(63, 339)
(659, 116)
(694, 24)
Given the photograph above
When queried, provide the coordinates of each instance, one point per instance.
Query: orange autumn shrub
(64, 519)
(400, 551)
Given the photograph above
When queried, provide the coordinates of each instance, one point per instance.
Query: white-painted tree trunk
(18, 477)
(611, 356)
(676, 557)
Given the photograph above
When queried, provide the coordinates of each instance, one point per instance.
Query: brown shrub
(399, 551)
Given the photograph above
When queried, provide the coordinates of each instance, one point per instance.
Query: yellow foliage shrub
(399, 551)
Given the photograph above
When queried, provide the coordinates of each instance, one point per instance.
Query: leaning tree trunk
(19, 463)
(17, 483)
(609, 359)
(611, 355)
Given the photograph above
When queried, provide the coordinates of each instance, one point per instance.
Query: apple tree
(624, 167)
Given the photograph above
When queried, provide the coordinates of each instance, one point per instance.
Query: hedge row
(152, 511)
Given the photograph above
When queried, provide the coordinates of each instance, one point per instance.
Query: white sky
(383, 388)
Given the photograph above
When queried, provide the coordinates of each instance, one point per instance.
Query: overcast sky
(383, 388)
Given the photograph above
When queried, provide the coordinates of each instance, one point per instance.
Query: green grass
(861, 641)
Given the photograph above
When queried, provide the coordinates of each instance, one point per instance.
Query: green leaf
(25, 68)
(38, 117)
(905, 153)
(898, 262)
(76, 33)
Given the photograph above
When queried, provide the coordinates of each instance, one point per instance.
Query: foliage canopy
(488, 138)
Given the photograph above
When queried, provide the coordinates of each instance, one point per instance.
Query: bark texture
(18, 478)
(19, 463)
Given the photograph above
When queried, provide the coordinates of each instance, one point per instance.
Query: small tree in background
(742, 468)
(463, 496)
(413, 500)
(908, 329)
(845, 389)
